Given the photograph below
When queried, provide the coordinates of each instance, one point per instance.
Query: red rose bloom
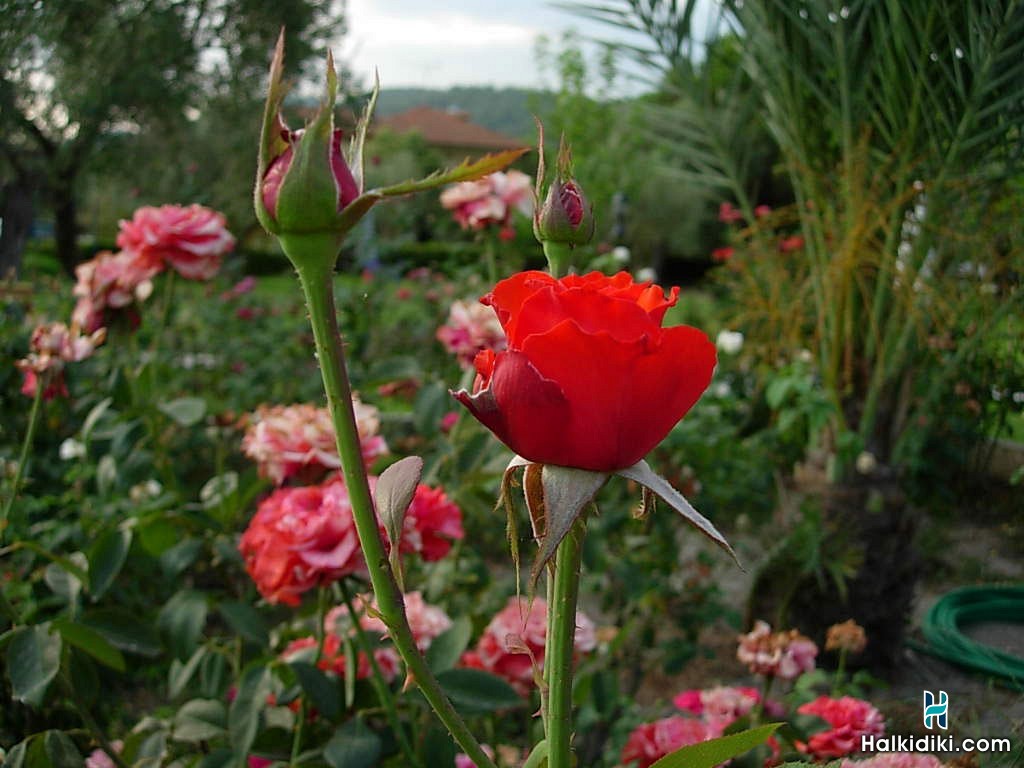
(650, 742)
(590, 379)
(849, 718)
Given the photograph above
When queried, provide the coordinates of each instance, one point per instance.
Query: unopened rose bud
(305, 185)
(565, 217)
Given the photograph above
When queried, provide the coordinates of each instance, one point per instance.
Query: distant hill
(508, 110)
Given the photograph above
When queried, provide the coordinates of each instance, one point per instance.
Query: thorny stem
(314, 255)
(558, 656)
(387, 701)
(30, 433)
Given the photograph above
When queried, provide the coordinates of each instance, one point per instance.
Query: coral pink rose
(471, 328)
(299, 538)
(287, 440)
(650, 742)
(849, 718)
(515, 640)
(304, 536)
(590, 379)
(191, 239)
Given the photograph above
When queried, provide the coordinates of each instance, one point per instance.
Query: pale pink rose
(650, 742)
(471, 328)
(895, 760)
(786, 655)
(52, 346)
(489, 201)
(849, 718)
(462, 760)
(111, 281)
(100, 759)
(515, 189)
(191, 239)
(426, 621)
(515, 639)
(285, 440)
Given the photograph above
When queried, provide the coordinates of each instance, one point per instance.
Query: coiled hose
(944, 622)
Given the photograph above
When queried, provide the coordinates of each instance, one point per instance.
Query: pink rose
(849, 718)
(190, 239)
(489, 201)
(100, 759)
(432, 523)
(299, 538)
(51, 346)
(334, 662)
(515, 640)
(426, 621)
(471, 328)
(786, 655)
(650, 742)
(463, 760)
(895, 760)
(288, 440)
(111, 281)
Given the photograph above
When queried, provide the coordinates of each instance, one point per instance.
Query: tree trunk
(16, 211)
(65, 221)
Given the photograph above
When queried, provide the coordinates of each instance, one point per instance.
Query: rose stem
(30, 434)
(316, 256)
(387, 701)
(559, 653)
(563, 589)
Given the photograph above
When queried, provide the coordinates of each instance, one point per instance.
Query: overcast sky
(455, 42)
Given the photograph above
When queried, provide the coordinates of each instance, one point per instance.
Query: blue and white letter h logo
(936, 710)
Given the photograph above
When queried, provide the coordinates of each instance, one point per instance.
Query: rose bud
(305, 185)
(565, 216)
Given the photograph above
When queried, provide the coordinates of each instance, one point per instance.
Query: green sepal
(308, 198)
(272, 142)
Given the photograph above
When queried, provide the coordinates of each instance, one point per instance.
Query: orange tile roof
(443, 128)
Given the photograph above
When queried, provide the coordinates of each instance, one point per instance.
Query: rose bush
(590, 379)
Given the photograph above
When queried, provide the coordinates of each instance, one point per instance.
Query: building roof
(447, 128)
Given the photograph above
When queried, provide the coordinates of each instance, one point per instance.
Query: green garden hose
(944, 622)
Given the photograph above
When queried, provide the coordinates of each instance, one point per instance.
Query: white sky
(455, 42)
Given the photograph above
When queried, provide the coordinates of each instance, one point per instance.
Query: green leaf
(473, 690)
(185, 411)
(62, 581)
(84, 679)
(354, 745)
(708, 754)
(392, 496)
(124, 630)
(447, 647)
(246, 621)
(33, 658)
(182, 619)
(467, 171)
(200, 720)
(322, 691)
(438, 749)
(177, 558)
(92, 642)
(244, 715)
(59, 751)
(93, 417)
(179, 674)
(106, 557)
